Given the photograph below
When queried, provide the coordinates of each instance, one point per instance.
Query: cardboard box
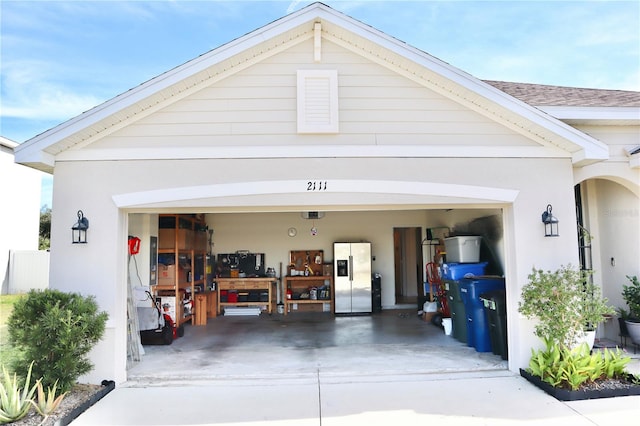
(166, 274)
(428, 316)
(200, 240)
(167, 238)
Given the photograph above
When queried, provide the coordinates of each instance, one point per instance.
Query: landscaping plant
(55, 330)
(15, 397)
(47, 402)
(565, 302)
(631, 295)
(567, 368)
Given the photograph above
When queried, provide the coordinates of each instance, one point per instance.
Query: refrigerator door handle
(350, 268)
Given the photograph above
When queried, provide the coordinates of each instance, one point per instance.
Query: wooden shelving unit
(183, 238)
(300, 284)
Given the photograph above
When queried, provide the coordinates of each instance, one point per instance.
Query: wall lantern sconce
(79, 230)
(550, 223)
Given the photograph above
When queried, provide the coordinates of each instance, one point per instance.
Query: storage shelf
(303, 283)
(179, 251)
(183, 237)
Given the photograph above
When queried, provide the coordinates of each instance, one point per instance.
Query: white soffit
(282, 34)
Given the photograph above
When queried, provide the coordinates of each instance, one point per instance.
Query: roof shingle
(543, 95)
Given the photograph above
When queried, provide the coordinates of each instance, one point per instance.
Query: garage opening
(255, 294)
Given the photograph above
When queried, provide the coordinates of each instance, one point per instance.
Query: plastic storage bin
(456, 308)
(457, 271)
(463, 249)
(477, 326)
(495, 308)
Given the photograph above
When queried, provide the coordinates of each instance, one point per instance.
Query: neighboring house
(319, 112)
(19, 216)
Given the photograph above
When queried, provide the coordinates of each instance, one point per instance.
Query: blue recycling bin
(478, 330)
(457, 271)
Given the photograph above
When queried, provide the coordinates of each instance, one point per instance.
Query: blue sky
(60, 58)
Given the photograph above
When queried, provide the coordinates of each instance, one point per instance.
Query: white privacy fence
(27, 270)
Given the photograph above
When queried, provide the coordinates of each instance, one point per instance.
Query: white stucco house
(20, 213)
(393, 138)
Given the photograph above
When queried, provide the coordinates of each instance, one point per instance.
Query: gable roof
(40, 151)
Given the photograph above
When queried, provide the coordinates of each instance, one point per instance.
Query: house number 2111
(320, 185)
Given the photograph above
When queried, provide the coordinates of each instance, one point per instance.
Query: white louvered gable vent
(317, 101)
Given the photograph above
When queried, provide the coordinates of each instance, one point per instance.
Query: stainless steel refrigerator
(352, 281)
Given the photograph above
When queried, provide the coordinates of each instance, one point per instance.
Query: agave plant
(47, 402)
(14, 400)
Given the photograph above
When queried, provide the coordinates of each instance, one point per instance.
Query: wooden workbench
(266, 284)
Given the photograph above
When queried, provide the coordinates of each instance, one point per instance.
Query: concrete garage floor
(305, 345)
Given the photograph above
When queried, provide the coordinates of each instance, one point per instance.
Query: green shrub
(564, 302)
(56, 331)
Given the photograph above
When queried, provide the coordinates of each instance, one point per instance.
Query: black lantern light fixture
(79, 230)
(550, 222)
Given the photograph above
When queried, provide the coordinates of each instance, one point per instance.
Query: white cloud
(29, 93)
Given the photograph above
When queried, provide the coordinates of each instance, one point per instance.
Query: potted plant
(631, 295)
(566, 304)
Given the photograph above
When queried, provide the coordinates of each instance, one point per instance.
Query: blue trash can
(477, 326)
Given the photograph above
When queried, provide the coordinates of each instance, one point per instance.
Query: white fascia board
(312, 151)
(634, 161)
(627, 114)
